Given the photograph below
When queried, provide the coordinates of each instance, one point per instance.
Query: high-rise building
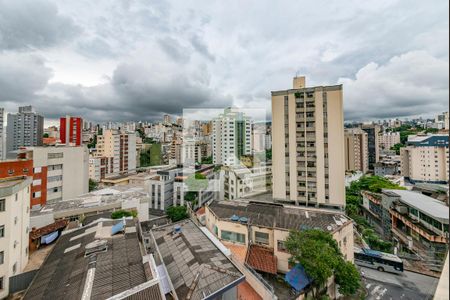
(373, 131)
(70, 129)
(25, 129)
(426, 159)
(119, 146)
(308, 161)
(356, 150)
(14, 228)
(2, 135)
(167, 119)
(232, 137)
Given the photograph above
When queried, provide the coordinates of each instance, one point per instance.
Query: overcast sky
(136, 60)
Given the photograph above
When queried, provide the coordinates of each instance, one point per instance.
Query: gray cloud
(32, 24)
(410, 84)
(161, 56)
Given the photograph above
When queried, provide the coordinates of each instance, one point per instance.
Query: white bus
(378, 260)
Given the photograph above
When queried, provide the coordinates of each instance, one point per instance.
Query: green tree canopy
(92, 185)
(319, 254)
(177, 213)
(118, 214)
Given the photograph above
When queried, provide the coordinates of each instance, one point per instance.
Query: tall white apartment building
(308, 161)
(14, 228)
(25, 129)
(232, 137)
(2, 134)
(387, 140)
(426, 159)
(119, 146)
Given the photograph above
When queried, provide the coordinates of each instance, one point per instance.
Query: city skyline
(82, 61)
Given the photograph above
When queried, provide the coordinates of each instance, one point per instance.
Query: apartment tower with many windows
(308, 160)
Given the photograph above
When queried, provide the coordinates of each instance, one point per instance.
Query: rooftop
(430, 206)
(196, 267)
(92, 262)
(279, 216)
(109, 196)
(262, 259)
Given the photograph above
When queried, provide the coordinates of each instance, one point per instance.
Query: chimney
(299, 82)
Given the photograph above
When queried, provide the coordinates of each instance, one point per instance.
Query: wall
(16, 220)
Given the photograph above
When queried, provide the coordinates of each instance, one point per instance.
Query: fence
(21, 281)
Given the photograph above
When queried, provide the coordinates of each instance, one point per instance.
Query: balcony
(416, 227)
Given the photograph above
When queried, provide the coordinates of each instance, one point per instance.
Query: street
(409, 285)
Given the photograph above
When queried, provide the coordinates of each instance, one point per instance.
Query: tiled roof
(262, 259)
(279, 216)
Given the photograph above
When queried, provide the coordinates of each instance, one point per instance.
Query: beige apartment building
(426, 159)
(308, 159)
(267, 225)
(119, 146)
(14, 228)
(356, 150)
(387, 140)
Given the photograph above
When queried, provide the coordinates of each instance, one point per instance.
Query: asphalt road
(387, 286)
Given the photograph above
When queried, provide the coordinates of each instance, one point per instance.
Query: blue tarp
(297, 278)
(47, 239)
(117, 228)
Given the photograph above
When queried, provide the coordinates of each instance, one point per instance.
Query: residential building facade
(100, 167)
(70, 130)
(413, 220)
(59, 173)
(232, 137)
(373, 131)
(268, 225)
(356, 150)
(244, 182)
(14, 228)
(426, 159)
(160, 189)
(121, 147)
(387, 140)
(308, 160)
(25, 129)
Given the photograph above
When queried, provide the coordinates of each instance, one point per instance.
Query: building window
(261, 238)
(233, 237)
(14, 268)
(55, 155)
(2, 257)
(2, 231)
(1, 283)
(281, 246)
(2, 205)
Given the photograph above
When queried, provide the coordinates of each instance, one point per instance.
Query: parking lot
(409, 285)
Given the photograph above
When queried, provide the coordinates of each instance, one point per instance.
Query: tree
(397, 147)
(269, 154)
(92, 185)
(45, 135)
(319, 254)
(177, 213)
(119, 214)
(207, 160)
(348, 278)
